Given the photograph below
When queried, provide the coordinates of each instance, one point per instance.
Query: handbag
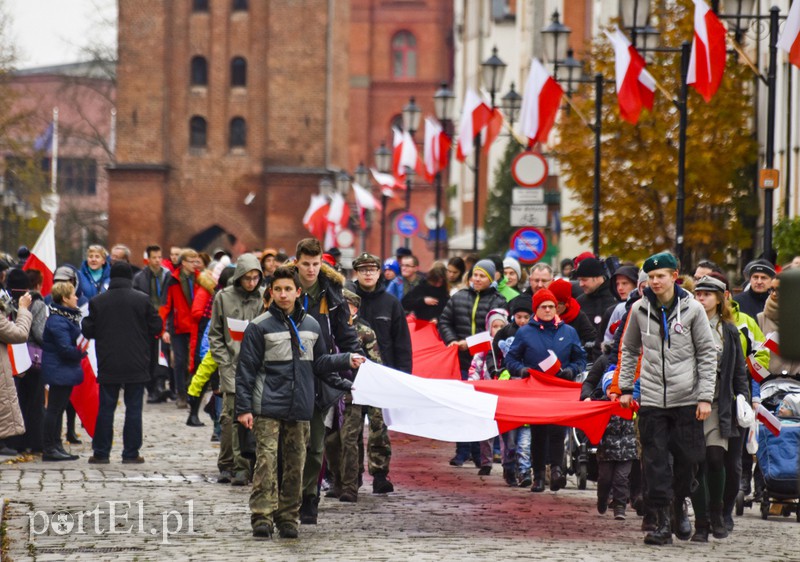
(744, 412)
(35, 351)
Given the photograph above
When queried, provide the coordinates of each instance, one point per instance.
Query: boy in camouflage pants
(344, 448)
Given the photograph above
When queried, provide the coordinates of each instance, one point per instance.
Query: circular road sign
(407, 225)
(345, 238)
(529, 243)
(529, 169)
(432, 222)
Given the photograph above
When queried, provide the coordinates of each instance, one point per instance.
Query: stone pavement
(438, 513)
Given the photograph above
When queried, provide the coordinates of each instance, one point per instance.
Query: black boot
(55, 454)
(194, 407)
(718, 527)
(650, 519)
(308, 510)
(538, 482)
(700, 531)
(681, 525)
(663, 533)
(380, 484)
(72, 437)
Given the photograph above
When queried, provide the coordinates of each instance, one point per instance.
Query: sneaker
(263, 531)
(287, 531)
(525, 481)
(224, 477)
(98, 460)
(456, 461)
(485, 471)
(619, 512)
(240, 479)
(137, 460)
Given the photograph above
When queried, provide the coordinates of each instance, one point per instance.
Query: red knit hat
(561, 289)
(542, 295)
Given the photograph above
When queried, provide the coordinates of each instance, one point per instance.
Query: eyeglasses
(367, 270)
(547, 306)
(251, 278)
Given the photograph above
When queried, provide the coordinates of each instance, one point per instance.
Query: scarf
(72, 314)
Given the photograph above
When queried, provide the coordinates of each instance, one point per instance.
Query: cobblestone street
(437, 513)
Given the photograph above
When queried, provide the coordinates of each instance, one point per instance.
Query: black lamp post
(383, 162)
(443, 107)
(492, 72)
(635, 15)
(411, 117)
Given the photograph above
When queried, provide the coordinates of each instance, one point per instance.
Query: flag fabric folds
(540, 103)
(550, 366)
(757, 370)
(19, 357)
(387, 182)
(365, 201)
(404, 154)
(479, 342)
(85, 397)
(789, 40)
(435, 148)
(44, 142)
(707, 61)
(431, 358)
(454, 410)
(635, 85)
(474, 117)
(43, 257)
(316, 218)
(770, 421)
(771, 343)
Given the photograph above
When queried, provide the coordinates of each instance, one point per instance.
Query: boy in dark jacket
(281, 353)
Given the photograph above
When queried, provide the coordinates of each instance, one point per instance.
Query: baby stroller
(778, 456)
(580, 456)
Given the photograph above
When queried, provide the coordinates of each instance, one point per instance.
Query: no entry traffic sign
(407, 225)
(529, 169)
(529, 243)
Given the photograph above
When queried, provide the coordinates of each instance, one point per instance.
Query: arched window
(237, 134)
(199, 71)
(200, 5)
(197, 132)
(404, 55)
(239, 5)
(238, 72)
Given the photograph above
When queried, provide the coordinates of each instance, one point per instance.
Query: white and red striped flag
(85, 397)
(551, 365)
(19, 357)
(757, 370)
(435, 148)
(387, 182)
(338, 213)
(43, 257)
(475, 116)
(479, 342)
(316, 218)
(707, 62)
(236, 328)
(771, 343)
(769, 420)
(540, 103)
(365, 201)
(404, 154)
(790, 38)
(636, 87)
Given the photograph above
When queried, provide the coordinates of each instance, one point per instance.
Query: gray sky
(47, 32)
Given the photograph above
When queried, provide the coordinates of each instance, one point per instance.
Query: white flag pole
(112, 141)
(54, 163)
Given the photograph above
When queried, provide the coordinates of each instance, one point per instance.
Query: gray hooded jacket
(232, 302)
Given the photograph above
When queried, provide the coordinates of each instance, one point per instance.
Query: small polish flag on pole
(551, 365)
(479, 342)
(771, 343)
(237, 327)
(43, 257)
(83, 343)
(769, 420)
(759, 371)
(790, 38)
(19, 357)
(162, 359)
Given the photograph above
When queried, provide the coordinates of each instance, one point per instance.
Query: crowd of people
(269, 345)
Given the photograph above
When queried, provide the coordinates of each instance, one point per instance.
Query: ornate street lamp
(383, 162)
(511, 103)
(443, 108)
(361, 175)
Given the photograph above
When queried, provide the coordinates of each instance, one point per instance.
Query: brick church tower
(229, 113)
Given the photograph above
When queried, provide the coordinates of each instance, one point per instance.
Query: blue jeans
(524, 450)
(131, 431)
(468, 450)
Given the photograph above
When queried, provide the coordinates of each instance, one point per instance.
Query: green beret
(664, 260)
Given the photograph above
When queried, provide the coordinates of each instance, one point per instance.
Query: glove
(566, 374)
(523, 373)
(504, 376)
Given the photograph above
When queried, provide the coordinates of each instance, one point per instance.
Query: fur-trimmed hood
(326, 274)
(206, 280)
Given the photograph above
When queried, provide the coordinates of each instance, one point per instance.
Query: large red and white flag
(769, 420)
(479, 342)
(316, 218)
(636, 87)
(43, 256)
(789, 40)
(435, 148)
(707, 62)
(338, 213)
(540, 103)
(387, 182)
(475, 116)
(404, 154)
(365, 201)
(454, 410)
(758, 371)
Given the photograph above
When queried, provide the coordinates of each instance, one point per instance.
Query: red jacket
(177, 305)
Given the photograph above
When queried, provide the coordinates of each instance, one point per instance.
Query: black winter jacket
(414, 301)
(125, 327)
(279, 360)
(732, 380)
(461, 318)
(751, 303)
(388, 319)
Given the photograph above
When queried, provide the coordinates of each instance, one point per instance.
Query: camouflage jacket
(368, 340)
(619, 441)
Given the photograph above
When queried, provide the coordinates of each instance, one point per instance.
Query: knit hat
(392, 264)
(402, 252)
(561, 289)
(121, 270)
(643, 278)
(351, 297)
(590, 267)
(580, 257)
(543, 295)
(663, 260)
(487, 266)
(708, 283)
(513, 264)
(629, 272)
(759, 266)
(521, 303)
(17, 280)
(496, 314)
